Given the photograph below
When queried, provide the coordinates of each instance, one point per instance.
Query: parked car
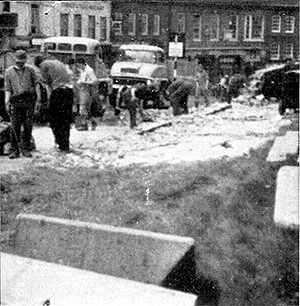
(270, 80)
(143, 64)
(290, 91)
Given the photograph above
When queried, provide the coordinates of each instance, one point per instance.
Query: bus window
(50, 46)
(80, 48)
(64, 47)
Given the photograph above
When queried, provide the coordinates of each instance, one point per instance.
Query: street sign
(176, 49)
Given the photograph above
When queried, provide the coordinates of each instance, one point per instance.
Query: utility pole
(175, 61)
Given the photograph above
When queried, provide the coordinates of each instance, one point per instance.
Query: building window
(214, 27)
(35, 19)
(180, 23)
(117, 24)
(144, 25)
(254, 27)
(103, 28)
(196, 28)
(289, 24)
(92, 27)
(230, 28)
(132, 24)
(77, 25)
(156, 25)
(288, 50)
(210, 27)
(275, 51)
(64, 24)
(276, 24)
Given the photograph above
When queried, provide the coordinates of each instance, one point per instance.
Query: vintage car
(270, 80)
(141, 64)
(290, 91)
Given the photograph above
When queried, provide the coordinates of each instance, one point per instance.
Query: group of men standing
(23, 98)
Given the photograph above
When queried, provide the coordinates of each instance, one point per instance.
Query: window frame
(133, 15)
(146, 32)
(279, 25)
(218, 29)
(74, 25)
(198, 16)
(64, 33)
(183, 24)
(278, 51)
(293, 24)
(291, 54)
(251, 27)
(92, 17)
(156, 23)
(103, 30)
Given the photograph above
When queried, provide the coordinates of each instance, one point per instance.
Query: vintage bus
(97, 55)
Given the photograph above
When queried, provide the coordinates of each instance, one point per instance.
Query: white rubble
(192, 137)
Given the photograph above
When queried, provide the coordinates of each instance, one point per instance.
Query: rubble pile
(195, 136)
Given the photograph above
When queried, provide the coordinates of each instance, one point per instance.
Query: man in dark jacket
(58, 79)
(179, 91)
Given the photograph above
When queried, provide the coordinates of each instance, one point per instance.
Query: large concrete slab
(283, 146)
(133, 254)
(29, 282)
(286, 211)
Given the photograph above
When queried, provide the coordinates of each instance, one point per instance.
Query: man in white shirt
(87, 80)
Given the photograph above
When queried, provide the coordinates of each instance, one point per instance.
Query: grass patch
(225, 205)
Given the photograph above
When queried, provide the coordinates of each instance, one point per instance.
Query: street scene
(149, 152)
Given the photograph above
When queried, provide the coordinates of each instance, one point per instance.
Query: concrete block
(284, 145)
(286, 211)
(30, 282)
(127, 253)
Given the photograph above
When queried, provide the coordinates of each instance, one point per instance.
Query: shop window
(230, 28)
(196, 28)
(132, 24)
(180, 23)
(276, 24)
(64, 24)
(156, 25)
(288, 50)
(92, 26)
(289, 24)
(254, 27)
(275, 51)
(144, 24)
(77, 25)
(103, 28)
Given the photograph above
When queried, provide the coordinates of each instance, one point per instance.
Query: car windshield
(141, 56)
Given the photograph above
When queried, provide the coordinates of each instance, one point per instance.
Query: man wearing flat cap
(20, 96)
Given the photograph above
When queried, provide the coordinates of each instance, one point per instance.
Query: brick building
(58, 18)
(141, 21)
(254, 30)
(245, 30)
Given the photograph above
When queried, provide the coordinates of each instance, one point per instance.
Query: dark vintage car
(290, 91)
(271, 79)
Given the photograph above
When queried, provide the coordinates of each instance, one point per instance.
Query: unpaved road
(191, 137)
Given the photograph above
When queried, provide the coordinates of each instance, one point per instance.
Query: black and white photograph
(149, 153)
